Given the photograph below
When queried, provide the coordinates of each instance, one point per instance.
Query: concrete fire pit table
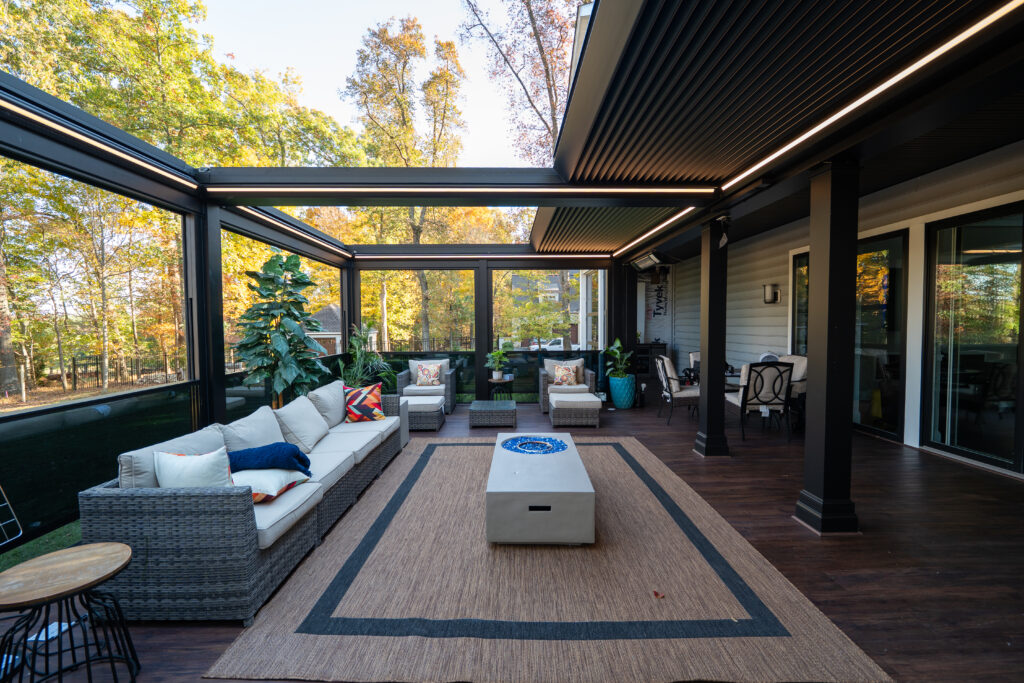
(538, 491)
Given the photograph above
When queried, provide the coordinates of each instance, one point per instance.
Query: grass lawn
(65, 536)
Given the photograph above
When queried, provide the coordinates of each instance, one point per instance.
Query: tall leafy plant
(618, 360)
(275, 345)
(365, 365)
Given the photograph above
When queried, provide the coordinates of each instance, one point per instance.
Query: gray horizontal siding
(686, 310)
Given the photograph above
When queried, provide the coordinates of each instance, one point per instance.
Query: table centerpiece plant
(496, 361)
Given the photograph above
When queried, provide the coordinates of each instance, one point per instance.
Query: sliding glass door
(975, 326)
(878, 341)
(880, 317)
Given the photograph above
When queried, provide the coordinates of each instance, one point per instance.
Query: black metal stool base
(88, 629)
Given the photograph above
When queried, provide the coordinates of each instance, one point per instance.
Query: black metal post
(713, 258)
(205, 297)
(824, 502)
(483, 307)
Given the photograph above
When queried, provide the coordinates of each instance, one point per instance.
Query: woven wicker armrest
(217, 521)
(391, 404)
(404, 378)
(591, 379)
(450, 383)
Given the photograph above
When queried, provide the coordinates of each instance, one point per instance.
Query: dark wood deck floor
(933, 589)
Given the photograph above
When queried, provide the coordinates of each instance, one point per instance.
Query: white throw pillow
(178, 471)
(301, 424)
(330, 402)
(258, 429)
(267, 485)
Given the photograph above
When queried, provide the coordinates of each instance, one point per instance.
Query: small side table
(64, 623)
(492, 414)
(500, 386)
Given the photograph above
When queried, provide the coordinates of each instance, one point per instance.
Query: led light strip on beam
(878, 90)
(413, 257)
(419, 189)
(70, 132)
(653, 231)
(300, 233)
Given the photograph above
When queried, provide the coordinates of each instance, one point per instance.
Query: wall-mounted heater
(648, 260)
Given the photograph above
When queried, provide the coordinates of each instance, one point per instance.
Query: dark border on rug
(762, 622)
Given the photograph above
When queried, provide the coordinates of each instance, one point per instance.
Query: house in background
(329, 335)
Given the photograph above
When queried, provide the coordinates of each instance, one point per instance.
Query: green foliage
(274, 344)
(367, 366)
(618, 360)
(497, 360)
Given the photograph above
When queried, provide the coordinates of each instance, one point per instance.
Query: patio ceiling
(701, 92)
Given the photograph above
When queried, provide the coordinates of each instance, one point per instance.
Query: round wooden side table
(64, 623)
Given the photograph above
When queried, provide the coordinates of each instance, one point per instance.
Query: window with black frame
(878, 396)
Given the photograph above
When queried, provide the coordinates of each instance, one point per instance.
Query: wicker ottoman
(425, 412)
(492, 414)
(574, 410)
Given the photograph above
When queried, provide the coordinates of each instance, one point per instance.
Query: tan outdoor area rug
(406, 588)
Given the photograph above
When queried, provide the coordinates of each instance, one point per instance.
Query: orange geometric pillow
(363, 404)
(565, 374)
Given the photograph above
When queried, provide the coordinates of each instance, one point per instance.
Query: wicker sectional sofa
(210, 553)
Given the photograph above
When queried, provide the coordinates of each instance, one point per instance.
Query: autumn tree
(388, 96)
(531, 55)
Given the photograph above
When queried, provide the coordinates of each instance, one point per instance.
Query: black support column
(483, 308)
(206, 300)
(622, 304)
(713, 257)
(824, 502)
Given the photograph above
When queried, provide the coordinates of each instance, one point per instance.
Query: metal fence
(432, 344)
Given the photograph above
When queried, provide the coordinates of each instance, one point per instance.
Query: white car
(556, 344)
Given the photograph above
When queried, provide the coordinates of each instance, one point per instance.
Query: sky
(319, 39)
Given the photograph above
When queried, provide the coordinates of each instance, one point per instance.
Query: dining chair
(673, 391)
(764, 387)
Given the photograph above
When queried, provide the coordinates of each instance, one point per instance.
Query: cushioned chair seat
(425, 404)
(585, 401)
(358, 443)
(568, 389)
(385, 427)
(273, 519)
(690, 392)
(329, 468)
(432, 390)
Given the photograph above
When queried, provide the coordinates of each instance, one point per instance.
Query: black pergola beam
(373, 186)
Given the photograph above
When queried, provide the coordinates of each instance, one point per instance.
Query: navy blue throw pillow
(281, 455)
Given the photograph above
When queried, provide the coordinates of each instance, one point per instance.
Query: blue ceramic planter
(623, 390)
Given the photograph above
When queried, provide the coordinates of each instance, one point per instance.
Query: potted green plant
(365, 365)
(275, 346)
(496, 361)
(621, 383)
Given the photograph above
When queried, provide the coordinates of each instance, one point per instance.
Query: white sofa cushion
(330, 402)
(136, 469)
(431, 390)
(358, 443)
(278, 516)
(550, 363)
(257, 429)
(414, 365)
(301, 423)
(588, 401)
(568, 389)
(329, 467)
(425, 404)
(178, 470)
(385, 427)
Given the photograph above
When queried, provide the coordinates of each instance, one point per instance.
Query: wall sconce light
(771, 294)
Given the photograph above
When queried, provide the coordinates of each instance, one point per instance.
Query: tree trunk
(60, 342)
(385, 340)
(104, 338)
(8, 363)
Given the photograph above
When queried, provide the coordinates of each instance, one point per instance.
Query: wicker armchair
(450, 382)
(589, 378)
